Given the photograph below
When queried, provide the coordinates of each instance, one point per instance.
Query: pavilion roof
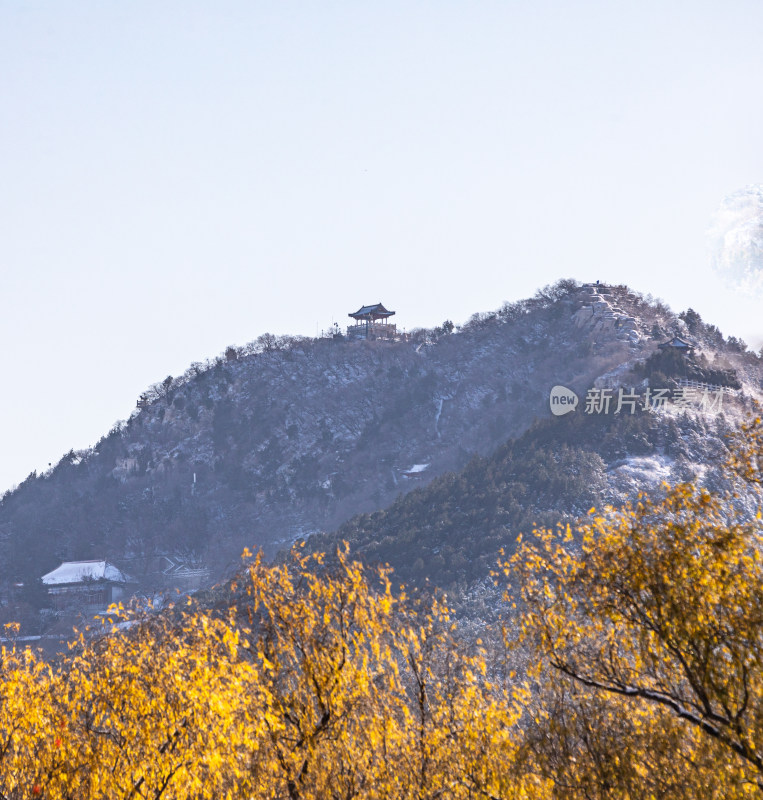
(376, 311)
(678, 342)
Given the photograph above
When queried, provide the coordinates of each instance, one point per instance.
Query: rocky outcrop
(599, 313)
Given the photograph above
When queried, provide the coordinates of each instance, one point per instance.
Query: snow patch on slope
(639, 473)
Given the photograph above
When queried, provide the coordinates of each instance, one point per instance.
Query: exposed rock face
(599, 313)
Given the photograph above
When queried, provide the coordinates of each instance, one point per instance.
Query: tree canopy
(633, 671)
(652, 614)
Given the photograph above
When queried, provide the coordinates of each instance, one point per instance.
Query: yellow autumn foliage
(315, 683)
(645, 630)
(635, 671)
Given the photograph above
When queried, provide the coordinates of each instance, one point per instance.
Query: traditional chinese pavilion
(677, 343)
(372, 322)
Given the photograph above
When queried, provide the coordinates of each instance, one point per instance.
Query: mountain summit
(288, 437)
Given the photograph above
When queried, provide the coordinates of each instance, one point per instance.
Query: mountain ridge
(289, 437)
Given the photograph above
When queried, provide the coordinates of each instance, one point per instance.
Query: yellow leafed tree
(308, 680)
(305, 682)
(654, 612)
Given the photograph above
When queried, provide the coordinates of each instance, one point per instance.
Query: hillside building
(372, 322)
(679, 345)
(94, 584)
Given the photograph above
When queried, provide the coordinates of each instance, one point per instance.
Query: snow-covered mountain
(286, 438)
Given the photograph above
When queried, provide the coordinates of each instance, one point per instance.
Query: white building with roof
(86, 583)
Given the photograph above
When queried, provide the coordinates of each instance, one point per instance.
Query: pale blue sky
(179, 176)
